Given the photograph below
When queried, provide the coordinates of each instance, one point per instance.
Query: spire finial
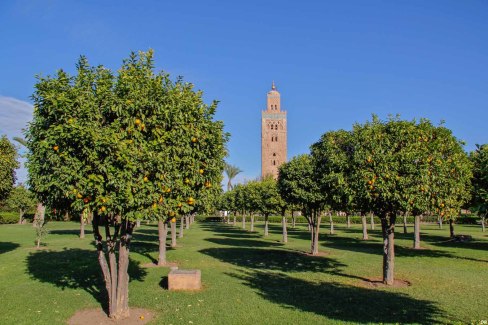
(273, 87)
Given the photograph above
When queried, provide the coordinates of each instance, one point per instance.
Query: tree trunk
(483, 223)
(316, 229)
(182, 226)
(416, 236)
(187, 222)
(331, 221)
(266, 225)
(66, 216)
(82, 226)
(163, 234)
(252, 223)
(451, 228)
(348, 221)
(293, 220)
(388, 230)
(405, 224)
(138, 223)
(115, 276)
(40, 213)
(173, 234)
(365, 226)
(372, 221)
(285, 232)
(440, 222)
(21, 216)
(309, 227)
(235, 220)
(243, 221)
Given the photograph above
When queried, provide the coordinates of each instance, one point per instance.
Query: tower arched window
(274, 154)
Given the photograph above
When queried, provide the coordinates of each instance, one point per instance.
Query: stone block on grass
(184, 280)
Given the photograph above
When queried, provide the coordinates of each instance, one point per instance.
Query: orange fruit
(194, 139)
(103, 209)
(201, 171)
(137, 121)
(145, 179)
(56, 148)
(79, 195)
(173, 220)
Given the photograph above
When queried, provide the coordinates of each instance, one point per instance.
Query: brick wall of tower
(273, 135)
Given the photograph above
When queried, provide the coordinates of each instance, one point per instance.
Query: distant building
(273, 135)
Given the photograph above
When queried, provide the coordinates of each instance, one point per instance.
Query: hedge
(13, 217)
(465, 219)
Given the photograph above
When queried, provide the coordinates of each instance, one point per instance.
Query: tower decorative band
(273, 135)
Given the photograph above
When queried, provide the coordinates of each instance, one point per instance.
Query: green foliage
(135, 144)
(21, 199)
(9, 217)
(297, 183)
(405, 166)
(231, 171)
(8, 164)
(268, 199)
(332, 167)
(479, 158)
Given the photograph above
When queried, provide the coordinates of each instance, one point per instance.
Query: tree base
(98, 316)
(378, 283)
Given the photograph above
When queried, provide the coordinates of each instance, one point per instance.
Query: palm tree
(231, 172)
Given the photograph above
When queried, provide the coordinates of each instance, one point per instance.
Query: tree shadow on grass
(75, 232)
(148, 248)
(242, 242)
(376, 248)
(341, 302)
(75, 269)
(7, 246)
(273, 259)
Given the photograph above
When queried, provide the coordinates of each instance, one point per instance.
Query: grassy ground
(251, 280)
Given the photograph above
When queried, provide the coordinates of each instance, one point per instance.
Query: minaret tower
(273, 135)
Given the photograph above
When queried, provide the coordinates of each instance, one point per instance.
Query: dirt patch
(97, 316)
(378, 283)
(167, 264)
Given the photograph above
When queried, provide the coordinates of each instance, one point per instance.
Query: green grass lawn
(248, 279)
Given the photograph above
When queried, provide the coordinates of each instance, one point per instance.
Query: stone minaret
(273, 135)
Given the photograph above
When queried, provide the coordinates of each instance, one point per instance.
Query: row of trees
(124, 147)
(390, 168)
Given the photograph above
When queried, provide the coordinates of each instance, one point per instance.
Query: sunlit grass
(249, 279)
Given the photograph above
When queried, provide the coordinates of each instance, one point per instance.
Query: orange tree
(268, 200)
(297, 185)
(331, 157)
(405, 166)
(479, 202)
(8, 164)
(449, 172)
(121, 146)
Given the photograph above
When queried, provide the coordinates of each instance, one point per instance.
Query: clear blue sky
(334, 62)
